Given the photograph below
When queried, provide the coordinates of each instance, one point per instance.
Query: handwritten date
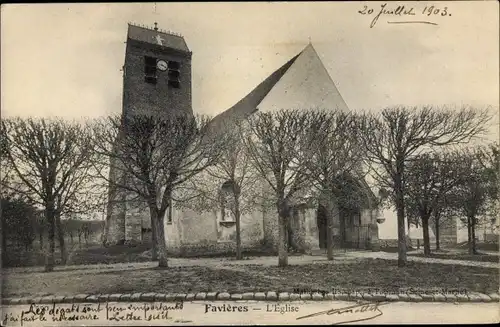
(403, 11)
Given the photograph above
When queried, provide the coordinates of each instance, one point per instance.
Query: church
(157, 77)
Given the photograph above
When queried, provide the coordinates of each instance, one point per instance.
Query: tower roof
(157, 37)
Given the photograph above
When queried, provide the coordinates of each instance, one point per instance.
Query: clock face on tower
(162, 65)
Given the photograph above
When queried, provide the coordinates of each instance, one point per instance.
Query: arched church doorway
(352, 234)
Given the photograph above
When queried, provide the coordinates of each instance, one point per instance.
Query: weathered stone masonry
(189, 232)
(126, 219)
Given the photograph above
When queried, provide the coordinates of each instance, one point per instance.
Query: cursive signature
(353, 313)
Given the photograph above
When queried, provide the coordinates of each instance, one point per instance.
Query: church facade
(157, 77)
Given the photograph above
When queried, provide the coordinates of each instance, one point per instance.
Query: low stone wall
(388, 243)
(491, 239)
(347, 295)
(216, 249)
(447, 240)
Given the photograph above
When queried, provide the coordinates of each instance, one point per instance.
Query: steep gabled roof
(306, 85)
(301, 83)
(248, 105)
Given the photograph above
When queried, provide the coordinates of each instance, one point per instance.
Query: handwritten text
(402, 11)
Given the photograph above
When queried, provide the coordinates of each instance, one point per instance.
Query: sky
(65, 59)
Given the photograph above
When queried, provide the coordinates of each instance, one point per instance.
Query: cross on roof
(159, 39)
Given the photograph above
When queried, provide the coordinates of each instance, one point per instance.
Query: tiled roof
(157, 37)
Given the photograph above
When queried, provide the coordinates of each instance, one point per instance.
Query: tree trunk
(329, 228)
(436, 223)
(237, 215)
(469, 235)
(425, 230)
(60, 235)
(162, 243)
(282, 233)
(154, 232)
(49, 258)
(4, 239)
(40, 239)
(157, 223)
(282, 242)
(473, 235)
(401, 220)
(342, 225)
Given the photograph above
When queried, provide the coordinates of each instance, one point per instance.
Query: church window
(174, 73)
(150, 70)
(174, 65)
(174, 84)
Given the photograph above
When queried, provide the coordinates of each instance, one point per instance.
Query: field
(224, 276)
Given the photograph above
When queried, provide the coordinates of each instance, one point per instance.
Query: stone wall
(297, 231)
(139, 96)
(198, 227)
(202, 233)
(311, 232)
(388, 243)
(252, 229)
(447, 231)
(205, 248)
(271, 230)
(135, 213)
(115, 210)
(369, 218)
(123, 222)
(491, 238)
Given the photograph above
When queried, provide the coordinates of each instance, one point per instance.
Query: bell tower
(156, 81)
(156, 73)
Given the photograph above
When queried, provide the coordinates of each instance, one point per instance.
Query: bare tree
(155, 154)
(52, 159)
(18, 220)
(429, 180)
(275, 146)
(229, 184)
(6, 171)
(490, 160)
(442, 216)
(333, 152)
(392, 137)
(478, 190)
